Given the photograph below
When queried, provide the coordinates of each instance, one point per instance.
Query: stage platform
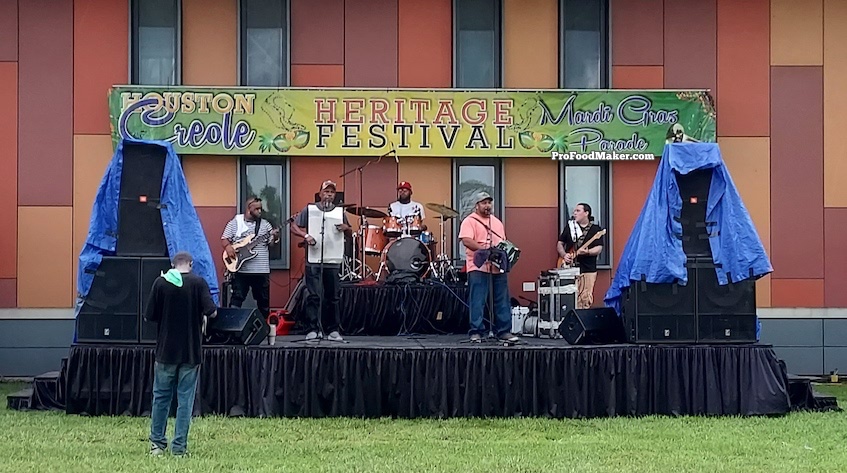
(440, 376)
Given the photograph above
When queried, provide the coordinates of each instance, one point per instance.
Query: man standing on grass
(179, 303)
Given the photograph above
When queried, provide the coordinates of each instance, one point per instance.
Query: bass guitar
(244, 248)
(561, 261)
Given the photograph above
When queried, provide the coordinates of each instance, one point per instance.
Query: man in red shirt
(480, 233)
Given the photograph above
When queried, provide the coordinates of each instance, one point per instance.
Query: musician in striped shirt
(255, 274)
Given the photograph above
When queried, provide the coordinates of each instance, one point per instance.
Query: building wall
(771, 66)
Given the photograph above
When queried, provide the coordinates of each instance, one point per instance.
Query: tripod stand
(361, 232)
(442, 266)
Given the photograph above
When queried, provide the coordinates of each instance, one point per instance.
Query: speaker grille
(140, 230)
(109, 312)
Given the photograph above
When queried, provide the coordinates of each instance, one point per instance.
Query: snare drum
(415, 225)
(375, 240)
(425, 237)
(392, 227)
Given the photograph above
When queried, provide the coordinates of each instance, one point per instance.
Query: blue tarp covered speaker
(181, 225)
(654, 250)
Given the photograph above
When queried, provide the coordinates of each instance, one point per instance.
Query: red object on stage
(284, 325)
(142, 198)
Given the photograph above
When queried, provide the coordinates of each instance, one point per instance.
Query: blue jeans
(183, 378)
(478, 285)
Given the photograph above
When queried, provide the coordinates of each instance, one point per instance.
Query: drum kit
(401, 245)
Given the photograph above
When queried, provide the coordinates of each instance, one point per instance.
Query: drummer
(405, 208)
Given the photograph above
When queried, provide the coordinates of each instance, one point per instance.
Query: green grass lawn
(802, 442)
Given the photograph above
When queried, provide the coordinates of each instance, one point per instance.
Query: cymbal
(367, 212)
(443, 210)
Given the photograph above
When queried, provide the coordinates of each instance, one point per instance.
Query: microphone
(396, 159)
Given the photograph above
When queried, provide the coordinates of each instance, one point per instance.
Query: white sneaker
(312, 335)
(334, 336)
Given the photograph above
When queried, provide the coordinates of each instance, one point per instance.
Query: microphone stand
(323, 290)
(360, 170)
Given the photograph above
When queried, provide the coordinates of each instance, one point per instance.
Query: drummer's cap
(404, 185)
(483, 196)
(328, 183)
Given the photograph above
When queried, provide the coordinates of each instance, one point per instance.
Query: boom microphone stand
(360, 170)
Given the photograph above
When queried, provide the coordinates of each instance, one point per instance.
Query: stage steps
(804, 397)
(47, 392)
(19, 401)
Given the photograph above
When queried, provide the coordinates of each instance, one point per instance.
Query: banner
(448, 123)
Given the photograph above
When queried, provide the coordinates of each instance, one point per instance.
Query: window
(477, 43)
(587, 183)
(155, 48)
(584, 35)
(472, 176)
(264, 43)
(268, 179)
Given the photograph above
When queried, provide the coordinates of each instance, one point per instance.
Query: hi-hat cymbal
(442, 209)
(367, 212)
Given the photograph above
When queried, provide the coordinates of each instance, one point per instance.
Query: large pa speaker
(237, 326)
(657, 313)
(113, 310)
(109, 312)
(140, 231)
(592, 326)
(694, 191)
(702, 311)
(725, 313)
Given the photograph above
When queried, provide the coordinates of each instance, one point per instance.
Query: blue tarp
(654, 249)
(183, 231)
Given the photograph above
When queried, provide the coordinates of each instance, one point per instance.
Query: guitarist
(579, 230)
(254, 274)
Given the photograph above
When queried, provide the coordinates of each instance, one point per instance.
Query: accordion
(512, 252)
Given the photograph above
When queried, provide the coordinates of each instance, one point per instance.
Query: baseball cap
(404, 185)
(328, 183)
(482, 196)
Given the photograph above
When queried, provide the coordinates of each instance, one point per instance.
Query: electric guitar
(244, 248)
(560, 263)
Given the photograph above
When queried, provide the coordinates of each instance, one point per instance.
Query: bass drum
(407, 255)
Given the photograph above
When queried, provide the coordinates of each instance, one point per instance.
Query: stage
(440, 376)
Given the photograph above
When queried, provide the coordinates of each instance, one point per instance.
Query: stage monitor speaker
(339, 197)
(592, 326)
(694, 191)
(140, 231)
(151, 268)
(236, 326)
(109, 312)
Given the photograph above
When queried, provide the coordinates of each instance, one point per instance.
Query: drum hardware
(361, 210)
(442, 266)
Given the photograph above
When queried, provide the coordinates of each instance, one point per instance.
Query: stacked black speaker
(702, 311)
(113, 310)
